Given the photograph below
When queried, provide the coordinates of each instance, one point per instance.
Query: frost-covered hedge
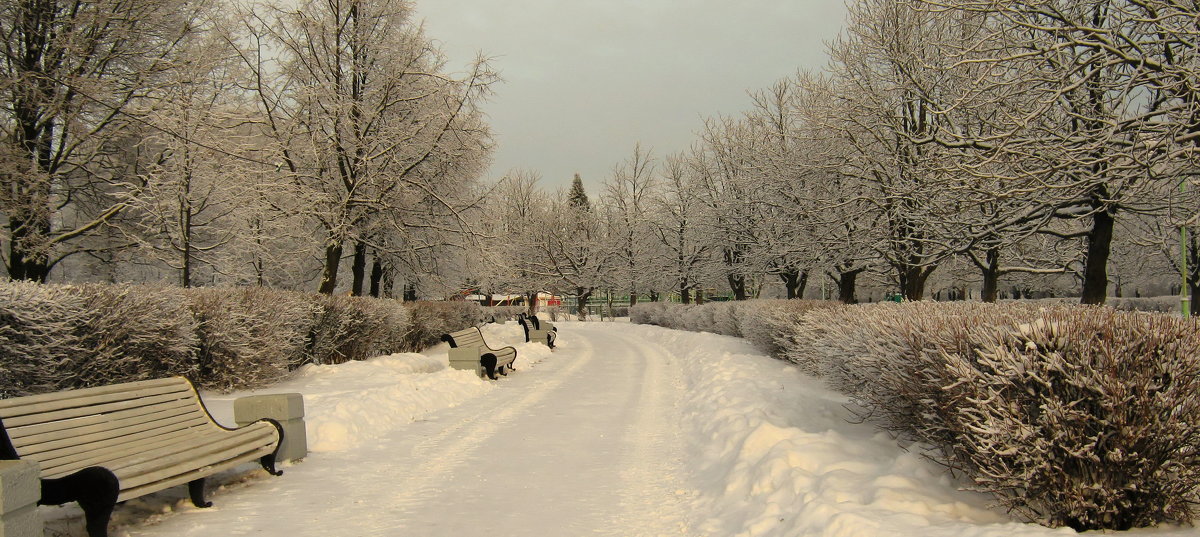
(1087, 417)
(754, 319)
(40, 330)
(1074, 416)
(1161, 304)
(432, 319)
(245, 337)
(501, 313)
(55, 337)
(60, 337)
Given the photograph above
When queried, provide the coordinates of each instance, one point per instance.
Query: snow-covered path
(588, 443)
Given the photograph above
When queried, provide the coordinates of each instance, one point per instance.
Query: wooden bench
(537, 330)
(469, 351)
(100, 446)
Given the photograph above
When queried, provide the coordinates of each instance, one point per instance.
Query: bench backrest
(67, 429)
(467, 337)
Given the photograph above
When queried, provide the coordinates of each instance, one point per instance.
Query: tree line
(1000, 143)
(244, 143)
(1012, 140)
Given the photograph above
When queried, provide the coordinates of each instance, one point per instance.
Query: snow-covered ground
(625, 430)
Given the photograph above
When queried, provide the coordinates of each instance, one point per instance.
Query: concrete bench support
(20, 489)
(285, 408)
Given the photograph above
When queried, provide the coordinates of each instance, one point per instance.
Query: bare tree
(685, 251)
(887, 117)
(368, 124)
(1103, 114)
(71, 75)
(627, 195)
(569, 248)
(194, 179)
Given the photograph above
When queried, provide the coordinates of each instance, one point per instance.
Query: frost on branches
(1086, 417)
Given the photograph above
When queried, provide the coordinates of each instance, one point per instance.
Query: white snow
(624, 430)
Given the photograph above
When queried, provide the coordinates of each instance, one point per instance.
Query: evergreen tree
(577, 198)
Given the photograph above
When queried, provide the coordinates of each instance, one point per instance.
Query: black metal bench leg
(96, 489)
(268, 464)
(489, 365)
(196, 491)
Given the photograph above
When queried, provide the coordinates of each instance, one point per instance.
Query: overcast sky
(585, 80)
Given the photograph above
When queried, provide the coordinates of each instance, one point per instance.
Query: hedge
(55, 337)
(1076, 416)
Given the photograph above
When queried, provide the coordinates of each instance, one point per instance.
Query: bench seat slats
(105, 455)
(63, 407)
(51, 455)
(175, 455)
(171, 479)
(472, 337)
(80, 411)
(18, 406)
(43, 432)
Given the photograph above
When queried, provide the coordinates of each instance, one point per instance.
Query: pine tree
(577, 197)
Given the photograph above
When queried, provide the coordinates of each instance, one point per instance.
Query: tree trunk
(847, 282)
(633, 298)
(35, 131)
(333, 258)
(531, 302)
(583, 296)
(260, 269)
(185, 228)
(795, 282)
(376, 276)
(699, 297)
(737, 284)
(991, 275)
(24, 263)
(912, 281)
(410, 292)
(685, 295)
(1095, 269)
(359, 268)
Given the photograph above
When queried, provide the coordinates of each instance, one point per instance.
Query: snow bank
(779, 455)
(352, 403)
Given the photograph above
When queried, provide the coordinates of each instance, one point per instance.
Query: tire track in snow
(443, 454)
(654, 499)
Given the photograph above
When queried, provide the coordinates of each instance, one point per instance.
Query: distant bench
(469, 351)
(99, 446)
(537, 330)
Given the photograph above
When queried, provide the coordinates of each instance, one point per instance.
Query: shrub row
(1074, 416)
(55, 337)
(749, 318)
(1161, 304)
(502, 313)
(432, 319)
